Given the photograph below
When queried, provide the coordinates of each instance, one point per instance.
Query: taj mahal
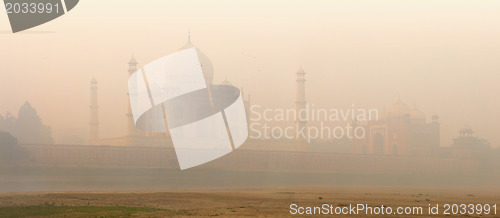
(397, 131)
(401, 139)
(135, 136)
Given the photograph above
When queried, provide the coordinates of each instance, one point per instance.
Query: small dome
(466, 127)
(397, 110)
(132, 60)
(225, 82)
(301, 71)
(416, 114)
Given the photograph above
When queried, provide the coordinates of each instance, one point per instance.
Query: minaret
(131, 131)
(300, 106)
(436, 131)
(94, 113)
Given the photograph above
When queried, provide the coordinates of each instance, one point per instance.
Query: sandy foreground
(274, 202)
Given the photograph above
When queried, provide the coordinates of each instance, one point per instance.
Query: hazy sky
(442, 55)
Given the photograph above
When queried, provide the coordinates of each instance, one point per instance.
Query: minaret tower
(94, 113)
(131, 131)
(300, 106)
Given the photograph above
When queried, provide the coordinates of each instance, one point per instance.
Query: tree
(28, 127)
(10, 152)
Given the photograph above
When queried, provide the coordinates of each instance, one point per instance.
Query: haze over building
(399, 131)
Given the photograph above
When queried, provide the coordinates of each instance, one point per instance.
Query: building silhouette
(399, 131)
(137, 137)
(401, 141)
(94, 112)
(300, 107)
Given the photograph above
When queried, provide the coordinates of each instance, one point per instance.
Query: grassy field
(273, 202)
(66, 178)
(74, 211)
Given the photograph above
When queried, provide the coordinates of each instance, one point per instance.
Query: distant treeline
(27, 127)
(10, 152)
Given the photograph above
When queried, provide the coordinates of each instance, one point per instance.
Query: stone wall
(242, 159)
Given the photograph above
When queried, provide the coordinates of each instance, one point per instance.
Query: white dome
(206, 64)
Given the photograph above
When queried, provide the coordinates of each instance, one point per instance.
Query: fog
(440, 55)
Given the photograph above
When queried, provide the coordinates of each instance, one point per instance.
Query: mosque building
(400, 131)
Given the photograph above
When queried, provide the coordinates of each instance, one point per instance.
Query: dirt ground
(274, 202)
